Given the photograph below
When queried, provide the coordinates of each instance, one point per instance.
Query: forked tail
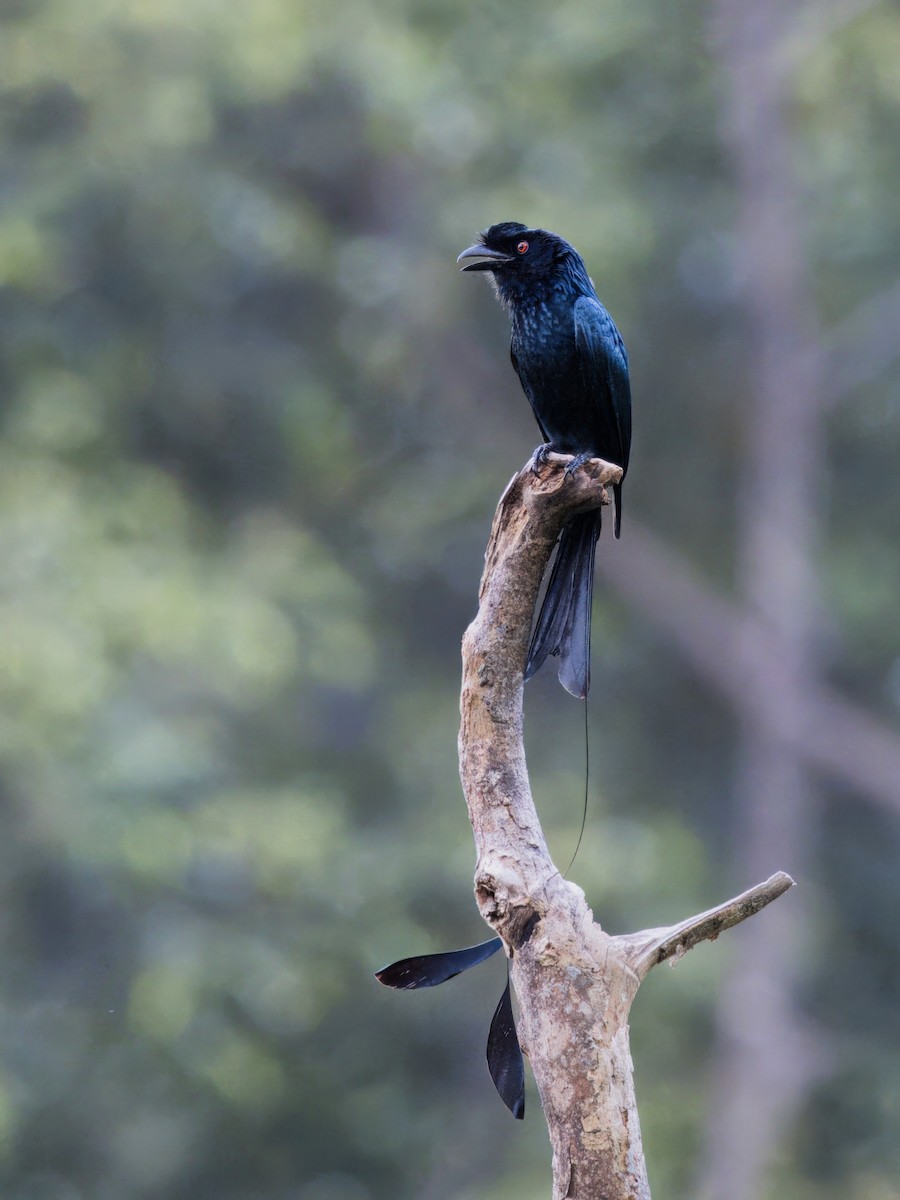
(563, 628)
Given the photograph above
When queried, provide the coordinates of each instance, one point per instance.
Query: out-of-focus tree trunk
(763, 1065)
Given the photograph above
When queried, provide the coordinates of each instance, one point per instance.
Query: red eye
(522, 247)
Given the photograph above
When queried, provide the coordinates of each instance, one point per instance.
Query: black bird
(573, 367)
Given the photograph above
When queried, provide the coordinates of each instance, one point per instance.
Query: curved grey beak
(491, 259)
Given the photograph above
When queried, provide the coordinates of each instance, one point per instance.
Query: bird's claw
(578, 461)
(540, 456)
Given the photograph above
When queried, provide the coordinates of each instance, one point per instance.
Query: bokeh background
(254, 425)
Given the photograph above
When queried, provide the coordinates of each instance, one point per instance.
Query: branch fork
(575, 983)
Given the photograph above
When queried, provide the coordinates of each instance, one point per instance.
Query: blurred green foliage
(253, 429)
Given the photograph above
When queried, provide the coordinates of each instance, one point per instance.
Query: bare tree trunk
(575, 983)
(763, 1066)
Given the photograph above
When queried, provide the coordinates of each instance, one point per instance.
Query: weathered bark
(574, 982)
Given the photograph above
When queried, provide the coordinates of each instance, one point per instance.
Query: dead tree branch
(653, 946)
(575, 983)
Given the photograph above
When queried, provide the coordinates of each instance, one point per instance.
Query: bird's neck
(521, 294)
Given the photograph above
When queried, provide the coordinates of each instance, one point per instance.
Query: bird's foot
(578, 461)
(539, 458)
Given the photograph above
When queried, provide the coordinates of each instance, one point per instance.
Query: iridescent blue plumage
(573, 368)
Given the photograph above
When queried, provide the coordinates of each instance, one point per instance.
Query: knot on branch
(506, 906)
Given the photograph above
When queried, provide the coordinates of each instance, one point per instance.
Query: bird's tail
(564, 625)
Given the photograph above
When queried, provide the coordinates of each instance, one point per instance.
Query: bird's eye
(522, 247)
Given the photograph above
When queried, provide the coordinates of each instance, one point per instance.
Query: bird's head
(519, 259)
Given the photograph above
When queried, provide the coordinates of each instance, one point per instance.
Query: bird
(573, 367)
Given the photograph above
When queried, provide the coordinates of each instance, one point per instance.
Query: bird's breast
(546, 353)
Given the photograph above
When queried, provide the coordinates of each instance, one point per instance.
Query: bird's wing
(604, 369)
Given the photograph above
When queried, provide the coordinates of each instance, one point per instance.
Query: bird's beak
(490, 259)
